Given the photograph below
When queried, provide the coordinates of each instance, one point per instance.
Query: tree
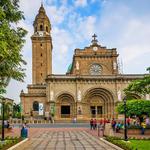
(11, 43)
(135, 107)
(148, 69)
(141, 86)
(16, 110)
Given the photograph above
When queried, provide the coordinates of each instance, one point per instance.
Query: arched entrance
(65, 106)
(99, 103)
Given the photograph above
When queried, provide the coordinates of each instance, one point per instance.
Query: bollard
(24, 132)
(100, 130)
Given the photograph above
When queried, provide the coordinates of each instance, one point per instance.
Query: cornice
(93, 78)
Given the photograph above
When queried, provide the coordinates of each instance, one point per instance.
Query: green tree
(141, 86)
(148, 69)
(16, 110)
(135, 107)
(11, 43)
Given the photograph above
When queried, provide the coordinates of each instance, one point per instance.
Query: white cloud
(126, 31)
(80, 3)
(30, 8)
(57, 15)
(87, 27)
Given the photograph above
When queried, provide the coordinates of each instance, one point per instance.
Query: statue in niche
(51, 95)
(79, 95)
(79, 110)
(77, 65)
(119, 95)
(115, 65)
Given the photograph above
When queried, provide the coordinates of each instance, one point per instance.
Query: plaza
(63, 139)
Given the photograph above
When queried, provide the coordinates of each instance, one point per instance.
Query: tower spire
(94, 40)
(41, 3)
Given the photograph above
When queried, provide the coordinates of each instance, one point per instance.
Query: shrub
(119, 142)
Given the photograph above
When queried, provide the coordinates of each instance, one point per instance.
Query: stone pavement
(63, 139)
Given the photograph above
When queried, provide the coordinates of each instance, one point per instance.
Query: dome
(69, 68)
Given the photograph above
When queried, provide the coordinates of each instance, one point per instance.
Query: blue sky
(121, 24)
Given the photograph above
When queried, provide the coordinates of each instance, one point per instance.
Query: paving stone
(48, 139)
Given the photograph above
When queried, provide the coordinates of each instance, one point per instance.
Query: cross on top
(94, 36)
(94, 40)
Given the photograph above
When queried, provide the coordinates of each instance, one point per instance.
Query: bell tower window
(41, 27)
(46, 28)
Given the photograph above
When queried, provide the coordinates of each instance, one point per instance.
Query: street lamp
(3, 106)
(125, 124)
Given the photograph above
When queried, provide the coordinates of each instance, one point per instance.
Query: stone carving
(119, 95)
(114, 65)
(79, 95)
(79, 110)
(51, 96)
(77, 65)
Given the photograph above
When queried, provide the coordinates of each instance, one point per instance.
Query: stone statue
(114, 65)
(119, 95)
(79, 110)
(51, 95)
(79, 95)
(77, 65)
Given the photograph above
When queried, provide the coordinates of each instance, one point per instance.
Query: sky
(121, 24)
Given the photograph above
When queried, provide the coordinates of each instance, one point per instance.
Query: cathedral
(91, 87)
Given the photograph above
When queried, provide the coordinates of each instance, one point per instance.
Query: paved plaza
(63, 139)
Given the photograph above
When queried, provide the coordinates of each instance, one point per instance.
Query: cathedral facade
(91, 88)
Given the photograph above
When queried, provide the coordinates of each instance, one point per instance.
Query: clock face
(40, 33)
(95, 48)
(95, 69)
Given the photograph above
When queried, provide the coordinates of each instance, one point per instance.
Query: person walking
(91, 124)
(94, 124)
(143, 126)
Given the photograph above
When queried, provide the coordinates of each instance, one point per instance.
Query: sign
(41, 108)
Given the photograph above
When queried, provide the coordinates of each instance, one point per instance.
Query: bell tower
(41, 47)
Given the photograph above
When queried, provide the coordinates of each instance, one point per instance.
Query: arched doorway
(65, 106)
(99, 103)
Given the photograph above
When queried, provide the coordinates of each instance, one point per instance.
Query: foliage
(9, 142)
(16, 111)
(135, 107)
(11, 43)
(141, 86)
(148, 69)
(131, 145)
(119, 142)
(7, 111)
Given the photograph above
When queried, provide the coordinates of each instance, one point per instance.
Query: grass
(140, 144)
(132, 144)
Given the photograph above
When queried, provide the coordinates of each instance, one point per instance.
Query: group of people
(94, 123)
(7, 124)
(116, 124)
(142, 123)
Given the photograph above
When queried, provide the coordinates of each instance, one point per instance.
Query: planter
(136, 131)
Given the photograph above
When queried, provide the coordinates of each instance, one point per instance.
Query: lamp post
(125, 124)
(3, 106)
